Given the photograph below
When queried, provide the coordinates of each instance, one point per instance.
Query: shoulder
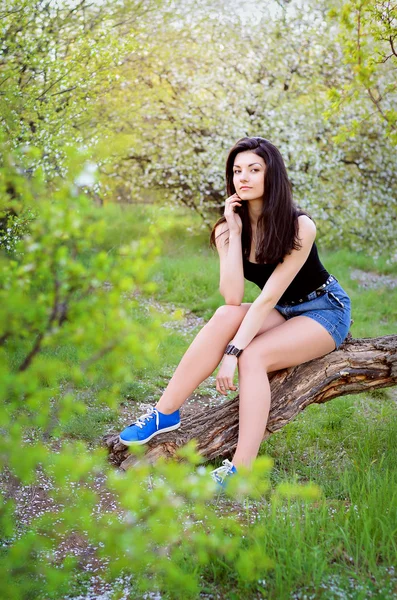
(220, 230)
(306, 228)
(222, 227)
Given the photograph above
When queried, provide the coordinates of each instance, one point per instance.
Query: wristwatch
(230, 349)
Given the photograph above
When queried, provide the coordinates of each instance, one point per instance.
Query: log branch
(358, 365)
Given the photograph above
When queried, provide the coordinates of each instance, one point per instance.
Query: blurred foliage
(58, 61)
(368, 36)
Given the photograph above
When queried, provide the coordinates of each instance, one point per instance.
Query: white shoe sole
(139, 442)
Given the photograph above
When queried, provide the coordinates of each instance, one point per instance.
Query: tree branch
(100, 354)
(358, 365)
(40, 337)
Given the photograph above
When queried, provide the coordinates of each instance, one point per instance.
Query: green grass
(347, 447)
(91, 426)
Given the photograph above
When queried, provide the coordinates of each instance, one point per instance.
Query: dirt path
(372, 280)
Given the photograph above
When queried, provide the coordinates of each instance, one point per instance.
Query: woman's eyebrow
(248, 165)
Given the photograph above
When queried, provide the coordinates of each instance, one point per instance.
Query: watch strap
(230, 349)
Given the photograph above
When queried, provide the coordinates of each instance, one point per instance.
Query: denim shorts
(332, 310)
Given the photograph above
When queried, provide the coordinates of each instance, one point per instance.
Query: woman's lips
(245, 187)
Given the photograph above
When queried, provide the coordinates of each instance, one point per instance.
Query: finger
(222, 387)
(219, 388)
(226, 387)
(232, 206)
(230, 383)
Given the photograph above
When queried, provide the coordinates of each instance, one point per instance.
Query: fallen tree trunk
(358, 365)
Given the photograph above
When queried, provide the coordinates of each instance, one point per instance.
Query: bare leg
(292, 343)
(205, 353)
(254, 394)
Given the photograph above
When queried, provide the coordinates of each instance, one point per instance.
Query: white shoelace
(141, 421)
(220, 473)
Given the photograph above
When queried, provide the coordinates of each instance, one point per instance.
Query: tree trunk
(358, 365)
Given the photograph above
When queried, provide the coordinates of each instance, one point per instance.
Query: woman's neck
(254, 211)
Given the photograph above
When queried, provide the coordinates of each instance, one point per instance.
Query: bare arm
(231, 284)
(276, 285)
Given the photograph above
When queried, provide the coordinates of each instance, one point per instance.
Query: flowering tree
(58, 61)
(159, 92)
(275, 78)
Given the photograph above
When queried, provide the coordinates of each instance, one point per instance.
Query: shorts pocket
(335, 300)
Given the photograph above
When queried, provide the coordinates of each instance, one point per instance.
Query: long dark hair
(277, 228)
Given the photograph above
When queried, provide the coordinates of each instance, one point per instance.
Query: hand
(233, 219)
(224, 379)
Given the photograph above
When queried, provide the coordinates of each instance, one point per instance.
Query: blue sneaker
(149, 425)
(220, 474)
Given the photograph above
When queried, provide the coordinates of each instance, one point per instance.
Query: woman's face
(249, 175)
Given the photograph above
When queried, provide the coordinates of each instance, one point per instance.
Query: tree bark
(358, 365)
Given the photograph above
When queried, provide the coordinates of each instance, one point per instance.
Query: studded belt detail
(317, 292)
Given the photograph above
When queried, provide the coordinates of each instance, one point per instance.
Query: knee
(253, 357)
(228, 312)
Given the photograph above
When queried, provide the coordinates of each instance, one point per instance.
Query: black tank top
(311, 275)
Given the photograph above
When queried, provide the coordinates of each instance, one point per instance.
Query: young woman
(300, 314)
